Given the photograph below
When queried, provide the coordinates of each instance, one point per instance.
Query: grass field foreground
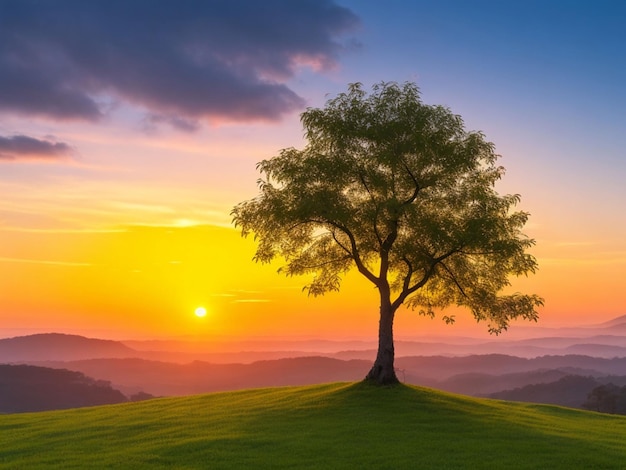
(324, 426)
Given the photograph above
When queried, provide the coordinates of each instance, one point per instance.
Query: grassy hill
(323, 426)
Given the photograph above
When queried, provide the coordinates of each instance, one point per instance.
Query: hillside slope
(324, 426)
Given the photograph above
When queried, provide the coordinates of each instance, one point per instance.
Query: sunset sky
(129, 130)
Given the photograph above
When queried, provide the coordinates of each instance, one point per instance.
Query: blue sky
(544, 81)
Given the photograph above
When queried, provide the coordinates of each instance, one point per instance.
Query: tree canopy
(399, 190)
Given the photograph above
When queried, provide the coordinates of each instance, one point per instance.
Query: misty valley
(578, 367)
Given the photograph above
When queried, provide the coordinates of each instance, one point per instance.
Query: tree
(607, 398)
(400, 191)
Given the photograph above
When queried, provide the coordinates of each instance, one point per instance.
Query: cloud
(151, 122)
(39, 261)
(22, 147)
(180, 60)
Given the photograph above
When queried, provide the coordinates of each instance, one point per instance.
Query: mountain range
(528, 369)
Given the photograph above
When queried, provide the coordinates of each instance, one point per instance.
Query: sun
(200, 312)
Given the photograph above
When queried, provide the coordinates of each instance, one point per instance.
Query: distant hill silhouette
(598, 345)
(473, 375)
(597, 350)
(26, 388)
(60, 347)
(615, 322)
(571, 391)
(189, 367)
(606, 340)
(163, 378)
(481, 384)
(439, 368)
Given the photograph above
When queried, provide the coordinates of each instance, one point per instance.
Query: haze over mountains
(606, 339)
(526, 369)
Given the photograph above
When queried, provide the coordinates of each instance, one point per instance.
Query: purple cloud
(22, 147)
(181, 60)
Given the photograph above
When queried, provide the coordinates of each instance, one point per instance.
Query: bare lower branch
(407, 279)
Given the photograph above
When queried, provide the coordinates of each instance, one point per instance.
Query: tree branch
(354, 252)
(384, 250)
(407, 279)
(341, 245)
(454, 279)
(406, 291)
(413, 196)
(325, 263)
(387, 243)
(373, 199)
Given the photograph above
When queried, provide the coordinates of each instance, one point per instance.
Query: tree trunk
(383, 372)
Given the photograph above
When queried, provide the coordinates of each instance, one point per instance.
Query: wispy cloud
(181, 61)
(243, 296)
(575, 244)
(46, 262)
(600, 260)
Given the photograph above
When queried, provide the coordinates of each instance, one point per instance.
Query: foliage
(607, 398)
(401, 191)
(339, 426)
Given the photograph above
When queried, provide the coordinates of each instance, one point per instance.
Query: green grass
(333, 426)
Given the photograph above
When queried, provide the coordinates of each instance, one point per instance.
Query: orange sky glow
(147, 281)
(120, 227)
